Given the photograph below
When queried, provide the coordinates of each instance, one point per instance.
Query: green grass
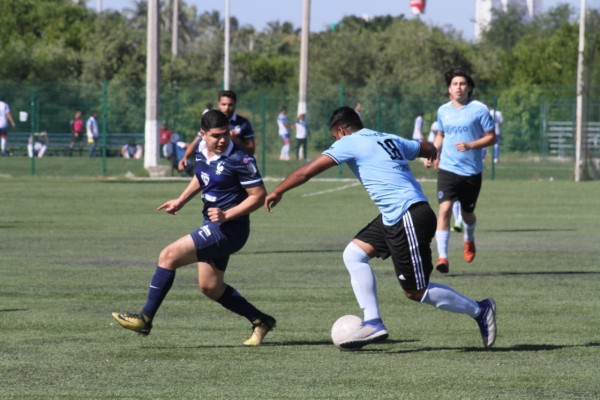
(73, 250)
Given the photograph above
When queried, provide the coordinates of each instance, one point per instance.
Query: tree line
(59, 42)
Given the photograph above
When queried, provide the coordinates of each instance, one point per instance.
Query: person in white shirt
(418, 129)
(301, 137)
(5, 118)
(93, 133)
(498, 121)
(284, 133)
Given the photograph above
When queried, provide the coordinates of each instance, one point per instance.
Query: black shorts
(407, 242)
(465, 189)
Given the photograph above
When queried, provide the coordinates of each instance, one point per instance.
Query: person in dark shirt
(231, 188)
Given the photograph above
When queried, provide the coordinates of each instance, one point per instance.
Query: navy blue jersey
(224, 178)
(241, 125)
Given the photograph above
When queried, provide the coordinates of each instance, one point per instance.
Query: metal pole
(580, 92)
(32, 121)
(104, 115)
(175, 33)
(302, 92)
(226, 62)
(151, 151)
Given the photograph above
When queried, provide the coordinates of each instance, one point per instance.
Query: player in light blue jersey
(231, 188)
(464, 129)
(403, 230)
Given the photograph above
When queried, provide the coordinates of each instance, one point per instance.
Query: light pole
(303, 81)
(175, 33)
(226, 48)
(580, 93)
(151, 152)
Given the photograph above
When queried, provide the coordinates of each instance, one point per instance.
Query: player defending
(464, 129)
(231, 189)
(403, 230)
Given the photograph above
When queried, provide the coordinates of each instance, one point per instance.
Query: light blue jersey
(380, 162)
(465, 124)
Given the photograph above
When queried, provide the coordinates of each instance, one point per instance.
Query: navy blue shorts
(216, 242)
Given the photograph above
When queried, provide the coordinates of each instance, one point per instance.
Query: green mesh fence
(539, 122)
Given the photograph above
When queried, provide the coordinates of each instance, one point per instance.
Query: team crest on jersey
(205, 178)
(250, 165)
(220, 168)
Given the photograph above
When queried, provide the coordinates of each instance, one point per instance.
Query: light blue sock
(445, 298)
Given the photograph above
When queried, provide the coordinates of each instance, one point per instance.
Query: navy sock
(233, 301)
(159, 287)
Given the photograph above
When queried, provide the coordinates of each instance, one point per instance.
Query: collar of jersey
(204, 151)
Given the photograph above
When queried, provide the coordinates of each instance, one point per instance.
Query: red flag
(417, 6)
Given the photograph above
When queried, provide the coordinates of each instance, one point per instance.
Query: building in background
(484, 8)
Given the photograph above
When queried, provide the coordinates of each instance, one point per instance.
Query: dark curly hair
(460, 72)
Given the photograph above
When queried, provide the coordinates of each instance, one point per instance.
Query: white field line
(331, 190)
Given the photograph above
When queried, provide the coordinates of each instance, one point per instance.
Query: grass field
(74, 249)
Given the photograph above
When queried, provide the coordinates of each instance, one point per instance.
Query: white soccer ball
(344, 328)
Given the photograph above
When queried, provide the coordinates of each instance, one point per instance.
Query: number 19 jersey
(380, 162)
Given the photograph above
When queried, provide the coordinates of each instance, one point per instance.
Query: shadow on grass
(299, 251)
(13, 309)
(527, 230)
(514, 273)
(497, 349)
(385, 348)
(299, 343)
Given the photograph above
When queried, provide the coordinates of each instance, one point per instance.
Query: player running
(231, 189)
(465, 127)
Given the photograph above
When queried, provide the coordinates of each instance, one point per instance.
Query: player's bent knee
(213, 292)
(167, 257)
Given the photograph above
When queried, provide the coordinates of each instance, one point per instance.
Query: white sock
(456, 213)
(469, 235)
(3, 144)
(442, 238)
(447, 299)
(363, 280)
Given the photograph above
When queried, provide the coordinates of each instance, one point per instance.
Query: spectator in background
(37, 144)
(93, 133)
(164, 138)
(418, 128)
(301, 136)
(5, 118)
(240, 128)
(77, 128)
(358, 109)
(498, 121)
(283, 124)
(132, 150)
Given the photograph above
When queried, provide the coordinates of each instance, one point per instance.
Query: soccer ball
(344, 328)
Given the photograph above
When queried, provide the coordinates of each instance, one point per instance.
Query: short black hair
(227, 93)
(449, 75)
(214, 119)
(345, 116)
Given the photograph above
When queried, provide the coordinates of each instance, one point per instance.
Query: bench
(560, 137)
(58, 143)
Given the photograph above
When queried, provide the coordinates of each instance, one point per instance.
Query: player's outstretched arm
(297, 178)
(173, 206)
